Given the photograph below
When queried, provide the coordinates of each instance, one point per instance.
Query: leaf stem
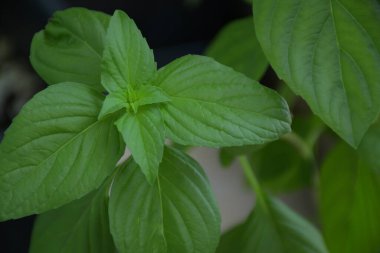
(252, 180)
(302, 147)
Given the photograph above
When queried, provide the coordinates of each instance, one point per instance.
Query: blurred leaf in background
(236, 46)
(284, 165)
(288, 231)
(350, 190)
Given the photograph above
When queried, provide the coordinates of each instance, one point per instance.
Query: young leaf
(127, 59)
(144, 134)
(145, 95)
(328, 52)
(81, 226)
(350, 206)
(70, 48)
(47, 154)
(273, 228)
(176, 214)
(113, 103)
(236, 46)
(149, 94)
(212, 105)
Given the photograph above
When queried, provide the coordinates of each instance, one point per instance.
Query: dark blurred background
(172, 27)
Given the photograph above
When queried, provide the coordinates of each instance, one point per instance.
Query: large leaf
(144, 134)
(273, 228)
(350, 205)
(56, 151)
(81, 226)
(328, 52)
(127, 61)
(71, 47)
(212, 105)
(236, 46)
(176, 214)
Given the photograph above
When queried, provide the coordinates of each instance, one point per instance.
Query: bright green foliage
(113, 103)
(176, 214)
(209, 91)
(327, 51)
(212, 105)
(236, 46)
(81, 226)
(350, 206)
(127, 61)
(149, 94)
(273, 228)
(71, 47)
(145, 95)
(144, 134)
(47, 157)
(107, 92)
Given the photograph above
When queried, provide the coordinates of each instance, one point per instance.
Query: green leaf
(128, 62)
(350, 206)
(369, 148)
(81, 226)
(113, 103)
(144, 134)
(149, 94)
(236, 46)
(328, 53)
(212, 105)
(71, 47)
(145, 95)
(229, 154)
(273, 228)
(47, 154)
(280, 167)
(229, 240)
(176, 214)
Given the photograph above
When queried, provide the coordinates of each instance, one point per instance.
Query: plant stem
(302, 147)
(252, 180)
